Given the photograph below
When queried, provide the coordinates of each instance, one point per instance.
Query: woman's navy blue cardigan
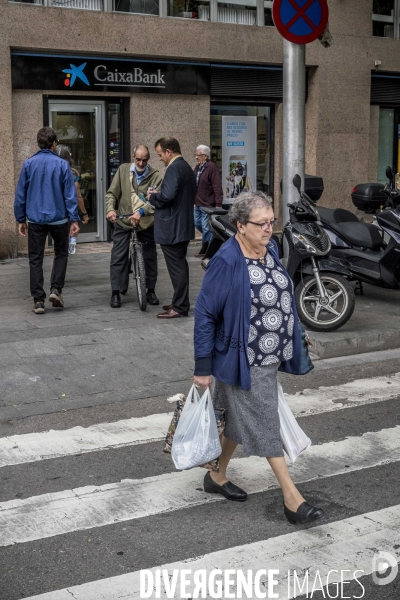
(222, 318)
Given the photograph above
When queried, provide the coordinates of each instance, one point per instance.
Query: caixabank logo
(74, 73)
(106, 76)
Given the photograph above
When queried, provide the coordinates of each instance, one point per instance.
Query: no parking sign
(300, 21)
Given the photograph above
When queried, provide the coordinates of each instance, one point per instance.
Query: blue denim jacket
(222, 318)
(46, 191)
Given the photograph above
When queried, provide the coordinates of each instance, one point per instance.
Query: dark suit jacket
(173, 218)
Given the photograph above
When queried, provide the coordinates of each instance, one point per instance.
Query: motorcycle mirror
(389, 173)
(297, 182)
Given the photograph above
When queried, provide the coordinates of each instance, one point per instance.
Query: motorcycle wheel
(330, 313)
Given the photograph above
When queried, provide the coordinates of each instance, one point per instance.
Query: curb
(335, 344)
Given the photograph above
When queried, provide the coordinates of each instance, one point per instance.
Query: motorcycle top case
(368, 197)
(313, 187)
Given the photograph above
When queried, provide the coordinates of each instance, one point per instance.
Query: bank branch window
(385, 15)
(388, 143)
(242, 148)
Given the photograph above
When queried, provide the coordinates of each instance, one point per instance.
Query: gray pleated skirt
(252, 418)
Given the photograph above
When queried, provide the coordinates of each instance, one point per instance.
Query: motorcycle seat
(365, 235)
(227, 224)
(212, 210)
(341, 215)
(336, 215)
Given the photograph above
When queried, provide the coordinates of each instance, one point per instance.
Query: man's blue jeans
(202, 224)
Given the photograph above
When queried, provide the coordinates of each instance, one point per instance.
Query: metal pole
(294, 89)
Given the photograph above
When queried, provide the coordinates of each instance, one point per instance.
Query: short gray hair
(141, 146)
(204, 150)
(245, 203)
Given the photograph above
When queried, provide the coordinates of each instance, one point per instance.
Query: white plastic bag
(294, 439)
(196, 439)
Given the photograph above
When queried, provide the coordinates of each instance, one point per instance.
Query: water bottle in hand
(72, 245)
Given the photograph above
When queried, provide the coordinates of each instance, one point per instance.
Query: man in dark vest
(173, 222)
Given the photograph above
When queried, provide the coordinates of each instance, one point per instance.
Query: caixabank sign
(103, 74)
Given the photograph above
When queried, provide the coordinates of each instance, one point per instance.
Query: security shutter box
(253, 84)
(385, 89)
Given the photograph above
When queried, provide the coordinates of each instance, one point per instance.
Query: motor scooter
(325, 300)
(371, 251)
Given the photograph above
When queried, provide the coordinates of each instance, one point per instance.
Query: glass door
(80, 125)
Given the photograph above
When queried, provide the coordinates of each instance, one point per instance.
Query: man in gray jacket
(131, 182)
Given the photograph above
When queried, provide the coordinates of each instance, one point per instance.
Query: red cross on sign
(300, 21)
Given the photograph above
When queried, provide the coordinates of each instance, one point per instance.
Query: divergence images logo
(384, 568)
(73, 73)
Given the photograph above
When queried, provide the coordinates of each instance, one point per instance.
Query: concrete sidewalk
(374, 326)
(90, 354)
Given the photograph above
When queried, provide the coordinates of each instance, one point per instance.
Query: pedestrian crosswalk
(32, 447)
(346, 543)
(84, 508)
(353, 538)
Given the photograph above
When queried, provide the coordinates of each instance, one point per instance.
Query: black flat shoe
(229, 489)
(115, 302)
(152, 298)
(304, 514)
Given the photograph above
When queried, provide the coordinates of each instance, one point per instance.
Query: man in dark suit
(173, 222)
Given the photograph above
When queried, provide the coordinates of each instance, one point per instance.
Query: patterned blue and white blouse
(271, 319)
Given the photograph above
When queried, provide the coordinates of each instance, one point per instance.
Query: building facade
(109, 74)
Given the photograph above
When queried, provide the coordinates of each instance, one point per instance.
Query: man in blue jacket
(173, 222)
(46, 202)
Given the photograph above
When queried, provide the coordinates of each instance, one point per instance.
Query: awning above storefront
(227, 82)
(107, 74)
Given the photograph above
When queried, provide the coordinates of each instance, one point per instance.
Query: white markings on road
(348, 395)
(347, 545)
(32, 447)
(38, 517)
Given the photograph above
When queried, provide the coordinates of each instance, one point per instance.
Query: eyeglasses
(198, 155)
(266, 224)
(141, 159)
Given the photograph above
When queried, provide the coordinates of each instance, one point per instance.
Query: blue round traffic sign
(300, 21)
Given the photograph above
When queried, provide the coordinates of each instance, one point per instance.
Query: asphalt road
(108, 511)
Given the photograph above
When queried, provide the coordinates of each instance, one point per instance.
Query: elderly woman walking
(245, 327)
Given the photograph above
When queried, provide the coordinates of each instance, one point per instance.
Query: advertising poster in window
(239, 156)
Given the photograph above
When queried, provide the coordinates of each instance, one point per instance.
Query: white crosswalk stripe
(71, 510)
(345, 544)
(33, 447)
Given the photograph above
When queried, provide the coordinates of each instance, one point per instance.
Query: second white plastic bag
(294, 439)
(196, 439)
